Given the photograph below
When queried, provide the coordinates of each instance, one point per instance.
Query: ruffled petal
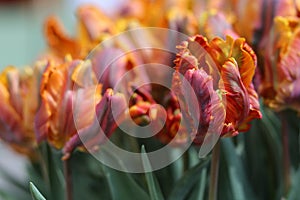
(282, 72)
(211, 110)
(237, 99)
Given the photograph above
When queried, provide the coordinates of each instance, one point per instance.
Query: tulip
(173, 130)
(93, 27)
(138, 9)
(140, 106)
(182, 20)
(207, 107)
(281, 77)
(19, 102)
(215, 24)
(60, 86)
(110, 64)
(226, 66)
(164, 121)
(109, 112)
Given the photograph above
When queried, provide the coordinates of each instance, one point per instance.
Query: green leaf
(88, 178)
(169, 175)
(5, 195)
(237, 179)
(271, 132)
(294, 193)
(53, 175)
(121, 184)
(199, 189)
(153, 186)
(193, 157)
(292, 120)
(188, 181)
(261, 156)
(35, 193)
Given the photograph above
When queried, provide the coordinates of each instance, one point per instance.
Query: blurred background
(21, 25)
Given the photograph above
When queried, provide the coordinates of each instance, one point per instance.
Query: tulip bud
(109, 112)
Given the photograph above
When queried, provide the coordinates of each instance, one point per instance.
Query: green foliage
(233, 182)
(188, 181)
(36, 195)
(153, 186)
(294, 193)
(250, 168)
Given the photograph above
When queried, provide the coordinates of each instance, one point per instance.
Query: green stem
(68, 179)
(214, 172)
(285, 155)
(44, 165)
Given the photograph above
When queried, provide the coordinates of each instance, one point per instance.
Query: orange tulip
(60, 85)
(225, 94)
(73, 108)
(235, 65)
(19, 102)
(93, 26)
(215, 24)
(143, 112)
(281, 77)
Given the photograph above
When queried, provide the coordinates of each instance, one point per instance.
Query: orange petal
(58, 41)
(237, 99)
